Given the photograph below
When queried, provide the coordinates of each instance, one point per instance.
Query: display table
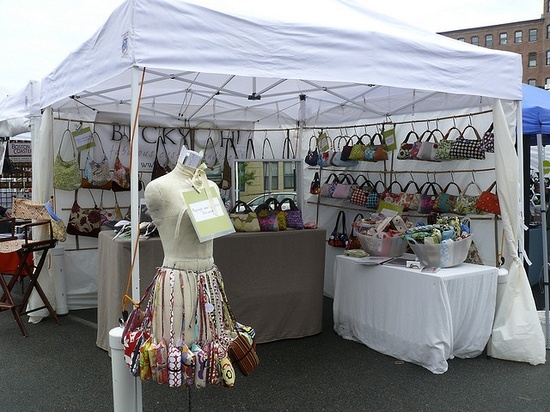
(274, 281)
(413, 316)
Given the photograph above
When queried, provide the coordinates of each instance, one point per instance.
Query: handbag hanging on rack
(66, 174)
(315, 185)
(373, 197)
(96, 175)
(406, 147)
(374, 152)
(354, 242)
(361, 192)
(488, 201)
(390, 196)
(427, 199)
(339, 235)
(409, 201)
(468, 148)
(213, 169)
(312, 156)
(158, 169)
(446, 202)
(443, 151)
(465, 203)
(428, 149)
(84, 222)
(226, 173)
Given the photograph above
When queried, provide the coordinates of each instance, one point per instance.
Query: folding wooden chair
(25, 248)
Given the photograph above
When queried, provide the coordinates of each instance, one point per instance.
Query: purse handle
(471, 127)
(287, 144)
(272, 201)
(334, 176)
(245, 205)
(490, 188)
(291, 203)
(266, 140)
(451, 130)
(430, 134)
(250, 145)
(470, 184)
(388, 189)
(411, 133)
(358, 215)
(411, 182)
(451, 184)
(431, 185)
(374, 186)
(342, 215)
(73, 144)
(213, 148)
(380, 138)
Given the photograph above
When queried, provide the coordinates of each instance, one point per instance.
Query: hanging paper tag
(83, 138)
(208, 215)
(389, 139)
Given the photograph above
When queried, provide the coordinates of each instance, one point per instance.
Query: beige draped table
(274, 281)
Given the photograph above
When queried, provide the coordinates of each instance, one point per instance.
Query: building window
(518, 36)
(547, 83)
(461, 39)
(548, 7)
(475, 40)
(533, 35)
(489, 39)
(532, 62)
(271, 175)
(503, 38)
(289, 179)
(548, 57)
(532, 82)
(548, 31)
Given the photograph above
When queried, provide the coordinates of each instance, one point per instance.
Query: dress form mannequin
(188, 267)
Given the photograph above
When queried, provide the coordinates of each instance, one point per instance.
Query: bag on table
(406, 147)
(339, 236)
(293, 214)
(465, 203)
(96, 175)
(281, 217)
(84, 222)
(488, 201)
(267, 218)
(245, 220)
(446, 202)
(466, 148)
(427, 199)
(66, 174)
(410, 201)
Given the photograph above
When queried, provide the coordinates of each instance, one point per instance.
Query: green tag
(83, 138)
(389, 139)
(209, 217)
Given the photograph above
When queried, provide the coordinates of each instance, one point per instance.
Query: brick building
(530, 38)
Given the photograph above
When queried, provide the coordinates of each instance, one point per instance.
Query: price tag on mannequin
(207, 213)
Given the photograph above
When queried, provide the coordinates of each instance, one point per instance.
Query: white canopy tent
(285, 64)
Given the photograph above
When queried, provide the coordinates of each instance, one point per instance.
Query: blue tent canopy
(536, 111)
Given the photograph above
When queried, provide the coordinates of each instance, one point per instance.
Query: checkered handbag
(488, 140)
(374, 196)
(466, 148)
(361, 192)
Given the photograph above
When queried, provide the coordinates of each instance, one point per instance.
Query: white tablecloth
(413, 316)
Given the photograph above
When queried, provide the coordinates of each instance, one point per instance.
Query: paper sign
(389, 139)
(83, 138)
(390, 209)
(208, 216)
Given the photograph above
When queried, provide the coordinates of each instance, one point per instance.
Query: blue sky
(35, 35)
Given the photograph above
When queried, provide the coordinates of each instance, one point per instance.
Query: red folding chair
(26, 266)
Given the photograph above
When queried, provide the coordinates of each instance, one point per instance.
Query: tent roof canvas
(247, 60)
